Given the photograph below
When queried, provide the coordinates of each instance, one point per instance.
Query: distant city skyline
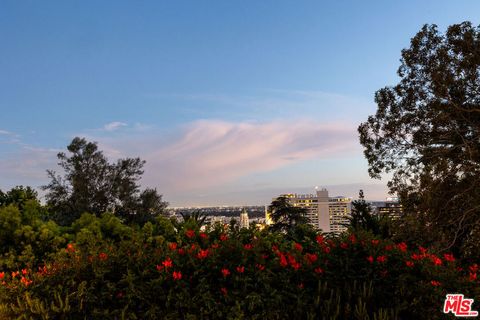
(230, 103)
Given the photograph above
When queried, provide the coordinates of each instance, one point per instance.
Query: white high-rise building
(244, 221)
(330, 214)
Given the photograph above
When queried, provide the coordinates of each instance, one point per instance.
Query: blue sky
(230, 102)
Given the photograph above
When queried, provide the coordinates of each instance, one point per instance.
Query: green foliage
(426, 132)
(92, 184)
(163, 270)
(363, 219)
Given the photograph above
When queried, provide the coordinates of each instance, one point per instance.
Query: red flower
(449, 257)
(177, 275)
(103, 256)
(159, 267)
(224, 291)
(274, 248)
(190, 233)
(409, 264)
(318, 270)
(296, 265)
(167, 263)
(248, 246)
(283, 260)
(203, 235)
(172, 246)
(472, 276)
(225, 272)
(240, 269)
(311, 257)
(381, 259)
(388, 247)
(260, 267)
(298, 246)
(120, 295)
(320, 239)
(402, 246)
(352, 238)
(181, 251)
(300, 285)
(422, 249)
(25, 281)
(436, 260)
(223, 237)
(326, 249)
(370, 259)
(215, 246)
(70, 248)
(344, 245)
(2, 275)
(473, 268)
(435, 283)
(203, 254)
(417, 256)
(24, 271)
(375, 242)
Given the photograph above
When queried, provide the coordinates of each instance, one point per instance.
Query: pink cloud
(210, 153)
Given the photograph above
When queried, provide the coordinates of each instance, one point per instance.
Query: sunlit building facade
(330, 214)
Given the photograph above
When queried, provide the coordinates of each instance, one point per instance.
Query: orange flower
(15, 273)
(177, 275)
(24, 271)
(70, 248)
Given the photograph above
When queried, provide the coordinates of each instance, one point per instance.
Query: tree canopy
(285, 216)
(426, 132)
(92, 184)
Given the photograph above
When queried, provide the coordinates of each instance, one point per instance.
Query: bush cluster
(100, 268)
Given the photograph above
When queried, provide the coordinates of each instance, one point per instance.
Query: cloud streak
(208, 152)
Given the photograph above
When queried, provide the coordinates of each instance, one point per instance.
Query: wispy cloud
(112, 126)
(209, 153)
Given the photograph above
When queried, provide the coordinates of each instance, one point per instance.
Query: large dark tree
(92, 184)
(426, 132)
(286, 216)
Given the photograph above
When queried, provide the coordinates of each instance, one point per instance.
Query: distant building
(244, 221)
(391, 208)
(330, 214)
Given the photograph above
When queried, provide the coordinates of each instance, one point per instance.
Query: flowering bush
(157, 273)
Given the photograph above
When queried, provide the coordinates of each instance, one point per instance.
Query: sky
(229, 102)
